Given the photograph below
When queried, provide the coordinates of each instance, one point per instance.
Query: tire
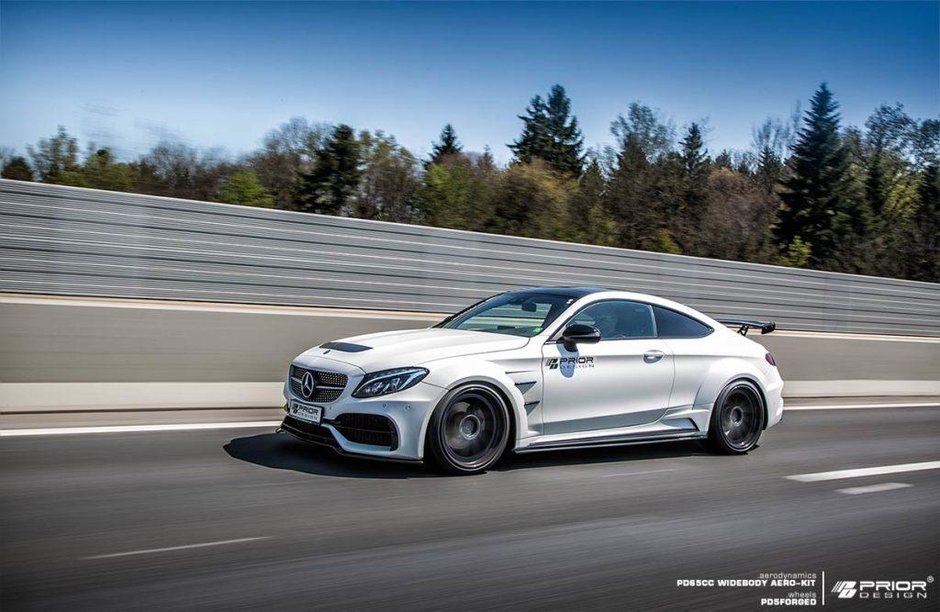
(469, 430)
(737, 419)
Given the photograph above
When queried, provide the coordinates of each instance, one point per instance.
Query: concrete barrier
(63, 353)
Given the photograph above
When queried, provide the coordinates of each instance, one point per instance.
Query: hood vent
(346, 347)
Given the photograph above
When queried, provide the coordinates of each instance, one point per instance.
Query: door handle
(653, 356)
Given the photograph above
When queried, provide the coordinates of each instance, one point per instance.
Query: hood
(397, 349)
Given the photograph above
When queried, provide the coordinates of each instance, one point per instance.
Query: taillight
(770, 359)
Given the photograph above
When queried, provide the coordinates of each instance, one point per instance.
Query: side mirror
(580, 333)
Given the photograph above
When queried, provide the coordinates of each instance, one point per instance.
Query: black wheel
(468, 430)
(737, 419)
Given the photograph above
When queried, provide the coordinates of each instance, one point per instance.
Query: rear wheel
(737, 419)
(468, 430)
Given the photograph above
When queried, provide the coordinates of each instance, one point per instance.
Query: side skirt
(620, 440)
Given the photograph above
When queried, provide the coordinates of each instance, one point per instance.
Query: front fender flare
(451, 375)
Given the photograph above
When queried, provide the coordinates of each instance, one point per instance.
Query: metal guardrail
(70, 241)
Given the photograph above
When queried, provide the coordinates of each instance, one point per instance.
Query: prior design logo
(845, 588)
(570, 362)
(882, 589)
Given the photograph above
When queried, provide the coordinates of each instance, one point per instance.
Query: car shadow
(284, 452)
(281, 451)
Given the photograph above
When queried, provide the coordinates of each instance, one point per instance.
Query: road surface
(244, 518)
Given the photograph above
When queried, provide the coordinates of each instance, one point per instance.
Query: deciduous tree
(389, 180)
(245, 188)
(286, 153)
(533, 200)
(17, 169)
(54, 155)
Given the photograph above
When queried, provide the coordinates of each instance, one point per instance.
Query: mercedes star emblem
(307, 385)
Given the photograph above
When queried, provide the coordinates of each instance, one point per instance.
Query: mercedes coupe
(536, 370)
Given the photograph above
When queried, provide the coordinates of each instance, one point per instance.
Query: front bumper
(324, 436)
(346, 428)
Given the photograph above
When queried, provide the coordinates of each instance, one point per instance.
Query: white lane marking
(637, 473)
(276, 484)
(55, 431)
(788, 407)
(869, 336)
(158, 304)
(172, 548)
(860, 472)
(877, 488)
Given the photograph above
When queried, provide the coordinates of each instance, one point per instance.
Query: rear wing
(744, 325)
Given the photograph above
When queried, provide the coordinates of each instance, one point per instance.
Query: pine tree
(336, 171)
(876, 185)
(533, 142)
(589, 214)
(628, 194)
(695, 164)
(819, 205)
(550, 133)
(885, 147)
(769, 167)
(448, 145)
(772, 139)
(724, 160)
(486, 163)
(694, 153)
(923, 246)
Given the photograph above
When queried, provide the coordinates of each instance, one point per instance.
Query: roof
(574, 292)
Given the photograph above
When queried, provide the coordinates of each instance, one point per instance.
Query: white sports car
(536, 370)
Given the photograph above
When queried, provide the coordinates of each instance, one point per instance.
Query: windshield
(516, 314)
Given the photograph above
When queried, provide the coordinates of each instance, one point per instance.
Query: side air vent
(373, 429)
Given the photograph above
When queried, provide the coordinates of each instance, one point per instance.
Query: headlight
(389, 381)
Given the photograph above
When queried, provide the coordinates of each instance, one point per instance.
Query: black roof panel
(575, 292)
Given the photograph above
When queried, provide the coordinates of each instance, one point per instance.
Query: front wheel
(468, 430)
(737, 419)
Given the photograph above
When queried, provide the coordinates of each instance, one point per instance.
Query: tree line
(809, 192)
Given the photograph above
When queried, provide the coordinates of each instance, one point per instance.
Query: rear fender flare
(721, 373)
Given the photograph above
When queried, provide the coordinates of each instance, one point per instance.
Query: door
(623, 380)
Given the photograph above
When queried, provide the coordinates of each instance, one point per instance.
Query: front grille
(329, 385)
(311, 432)
(373, 429)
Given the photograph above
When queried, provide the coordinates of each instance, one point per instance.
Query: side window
(618, 319)
(672, 324)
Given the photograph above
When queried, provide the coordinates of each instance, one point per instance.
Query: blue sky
(222, 74)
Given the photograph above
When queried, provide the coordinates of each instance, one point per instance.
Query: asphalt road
(247, 519)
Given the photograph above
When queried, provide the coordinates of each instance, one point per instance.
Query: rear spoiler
(744, 325)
